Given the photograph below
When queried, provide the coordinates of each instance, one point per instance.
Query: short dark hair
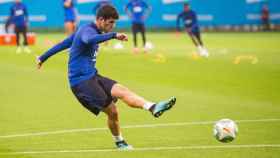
(186, 4)
(107, 12)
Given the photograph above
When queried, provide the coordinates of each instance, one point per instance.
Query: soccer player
(70, 16)
(138, 11)
(19, 17)
(189, 19)
(265, 17)
(95, 92)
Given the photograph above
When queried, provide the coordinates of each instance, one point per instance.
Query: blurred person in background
(265, 18)
(70, 16)
(189, 18)
(19, 18)
(138, 11)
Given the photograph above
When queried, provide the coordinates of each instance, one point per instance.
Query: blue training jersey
(137, 10)
(189, 19)
(83, 46)
(69, 12)
(18, 14)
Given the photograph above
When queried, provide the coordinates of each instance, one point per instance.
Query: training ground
(40, 118)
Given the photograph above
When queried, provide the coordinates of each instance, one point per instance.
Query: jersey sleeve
(148, 8)
(145, 5)
(90, 37)
(11, 11)
(25, 14)
(194, 17)
(57, 48)
(178, 21)
(128, 7)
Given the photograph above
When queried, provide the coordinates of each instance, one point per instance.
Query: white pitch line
(145, 149)
(128, 127)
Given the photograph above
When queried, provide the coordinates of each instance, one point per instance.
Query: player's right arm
(178, 29)
(178, 21)
(127, 9)
(65, 44)
(11, 11)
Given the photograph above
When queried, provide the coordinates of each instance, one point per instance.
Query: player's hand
(189, 30)
(177, 33)
(129, 15)
(39, 63)
(121, 37)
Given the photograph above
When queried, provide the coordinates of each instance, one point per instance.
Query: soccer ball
(149, 46)
(225, 130)
(118, 46)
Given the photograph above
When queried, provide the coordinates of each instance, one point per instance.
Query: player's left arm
(25, 15)
(194, 18)
(65, 44)
(91, 37)
(11, 12)
(127, 9)
(148, 10)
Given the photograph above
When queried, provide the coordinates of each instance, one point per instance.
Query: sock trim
(148, 105)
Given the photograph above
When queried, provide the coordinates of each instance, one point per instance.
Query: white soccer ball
(118, 46)
(225, 130)
(149, 46)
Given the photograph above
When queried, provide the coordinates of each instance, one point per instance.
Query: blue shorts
(70, 15)
(69, 19)
(95, 93)
(194, 31)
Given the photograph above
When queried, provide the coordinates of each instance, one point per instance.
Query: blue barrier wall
(49, 13)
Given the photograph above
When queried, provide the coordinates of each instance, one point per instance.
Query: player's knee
(119, 91)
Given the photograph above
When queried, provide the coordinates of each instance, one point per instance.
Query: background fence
(49, 13)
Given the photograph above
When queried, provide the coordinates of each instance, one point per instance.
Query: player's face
(108, 24)
(186, 8)
(17, 1)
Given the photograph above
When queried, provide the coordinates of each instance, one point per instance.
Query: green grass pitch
(40, 118)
